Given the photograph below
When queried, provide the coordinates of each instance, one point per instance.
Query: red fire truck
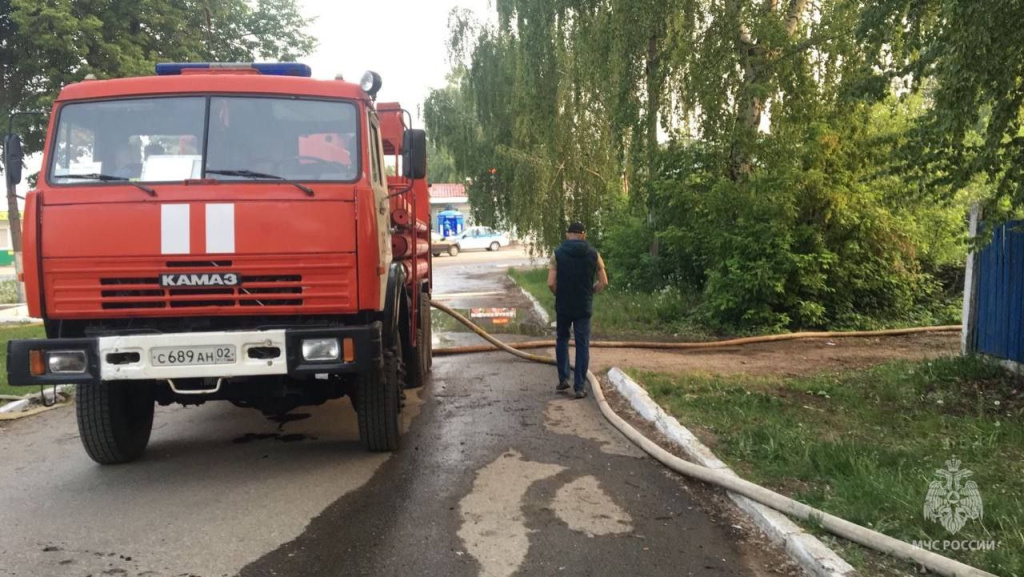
(227, 232)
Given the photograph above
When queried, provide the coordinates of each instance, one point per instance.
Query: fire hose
(840, 527)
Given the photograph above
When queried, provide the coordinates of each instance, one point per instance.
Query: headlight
(370, 83)
(67, 362)
(321, 349)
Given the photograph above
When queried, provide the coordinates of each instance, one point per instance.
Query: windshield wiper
(254, 174)
(111, 178)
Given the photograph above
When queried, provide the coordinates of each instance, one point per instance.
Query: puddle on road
(281, 436)
(286, 418)
(284, 438)
(495, 320)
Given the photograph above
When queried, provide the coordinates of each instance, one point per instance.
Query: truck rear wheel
(378, 403)
(422, 357)
(428, 333)
(115, 420)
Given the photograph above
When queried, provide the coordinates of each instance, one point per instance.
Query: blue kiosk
(450, 223)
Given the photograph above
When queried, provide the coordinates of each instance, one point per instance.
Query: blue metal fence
(999, 313)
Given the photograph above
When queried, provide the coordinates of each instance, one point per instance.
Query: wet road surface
(500, 476)
(497, 476)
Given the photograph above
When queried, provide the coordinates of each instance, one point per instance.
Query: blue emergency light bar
(269, 68)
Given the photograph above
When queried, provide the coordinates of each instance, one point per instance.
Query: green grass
(865, 445)
(6, 334)
(662, 315)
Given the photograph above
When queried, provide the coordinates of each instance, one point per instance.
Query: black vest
(576, 263)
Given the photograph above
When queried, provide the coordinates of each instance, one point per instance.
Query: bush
(625, 248)
(8, 291)
(816, 236)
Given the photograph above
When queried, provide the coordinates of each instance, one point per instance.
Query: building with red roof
(448, 196)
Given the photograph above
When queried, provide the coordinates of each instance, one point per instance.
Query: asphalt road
(497, 476)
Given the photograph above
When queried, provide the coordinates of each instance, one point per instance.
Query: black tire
(436, 254)
(115, 420)
(495, 247)
(378, 403)
(428, 337)
(420, 360)
(453, 250)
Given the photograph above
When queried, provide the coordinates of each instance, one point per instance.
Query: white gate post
(970, 282)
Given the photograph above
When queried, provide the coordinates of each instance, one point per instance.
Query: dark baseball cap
(577, 228)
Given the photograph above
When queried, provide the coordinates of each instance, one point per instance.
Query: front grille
(254, 291)
(322, 283)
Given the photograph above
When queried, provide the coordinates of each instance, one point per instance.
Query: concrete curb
(21, 405)
(538, 308)
(805, 549)
(16, 314)
(14, 406)
(20, 321)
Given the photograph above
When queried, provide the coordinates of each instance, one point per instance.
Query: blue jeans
(581, 328)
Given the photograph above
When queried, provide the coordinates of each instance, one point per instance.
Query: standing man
(575, 274)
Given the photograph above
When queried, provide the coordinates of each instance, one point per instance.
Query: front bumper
(131, 357)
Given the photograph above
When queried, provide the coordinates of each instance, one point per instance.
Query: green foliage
(442, 165)
(818, 240)
(8, 291)
(969, 55)
(625, 250)
(621, 313)
(46, 44)
(6, 334)
(758, 153)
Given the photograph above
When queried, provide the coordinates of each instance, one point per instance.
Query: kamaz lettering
(199, 280)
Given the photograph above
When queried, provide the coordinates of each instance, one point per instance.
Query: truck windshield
(162, 140)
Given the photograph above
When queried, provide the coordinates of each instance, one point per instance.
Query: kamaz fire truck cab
(229, 232)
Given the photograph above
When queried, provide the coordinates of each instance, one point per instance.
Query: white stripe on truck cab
(220, 228)
(174, 229)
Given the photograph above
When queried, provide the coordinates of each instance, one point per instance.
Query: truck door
(380, 195)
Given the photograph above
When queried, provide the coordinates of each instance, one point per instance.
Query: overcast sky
(402, 40)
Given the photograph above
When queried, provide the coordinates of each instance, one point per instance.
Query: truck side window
(374, 145)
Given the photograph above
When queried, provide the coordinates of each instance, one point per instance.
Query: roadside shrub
(815, 236)
(8, 291)
(625, 248)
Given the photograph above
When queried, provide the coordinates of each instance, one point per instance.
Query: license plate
(200, 355)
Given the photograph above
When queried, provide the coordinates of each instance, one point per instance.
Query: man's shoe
(581, 394)
(562, 386)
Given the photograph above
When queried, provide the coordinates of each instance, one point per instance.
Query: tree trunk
(654, 86)
(749, 108)
(756, 61)
(14, 219)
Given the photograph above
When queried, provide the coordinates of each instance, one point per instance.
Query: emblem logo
(206, 279)
(951, 501)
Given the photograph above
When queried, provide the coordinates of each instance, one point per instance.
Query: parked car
(476, 237)
(440, 244)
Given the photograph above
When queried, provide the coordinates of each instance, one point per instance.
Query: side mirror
(13, 157)
(414, 154)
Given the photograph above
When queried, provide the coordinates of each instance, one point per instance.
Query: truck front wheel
(115, 420)
(378, 403)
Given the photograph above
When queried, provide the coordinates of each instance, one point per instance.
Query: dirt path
(789, 358)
